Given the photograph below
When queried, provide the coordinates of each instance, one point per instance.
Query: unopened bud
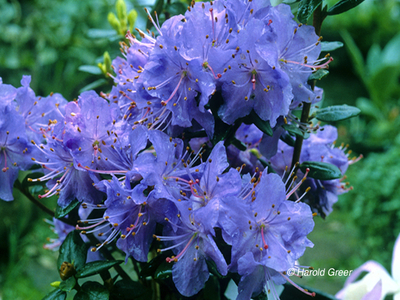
(114, 22)
(132, 16)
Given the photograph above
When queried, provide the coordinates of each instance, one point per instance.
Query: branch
(317, 23)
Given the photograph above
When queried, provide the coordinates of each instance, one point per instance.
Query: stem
(43, 207)
(33, 199)
(317, 23)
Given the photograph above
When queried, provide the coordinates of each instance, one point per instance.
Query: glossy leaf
(101, 33)
(92, 291)
(321, 73)
(163, 271)
(306, 8)
(127, 289)
(343, 6)
(149, 268)
(337, 113)
(90, 69)
(96, 267)
(321, 170)
(62, 211)
(264, 126)
(68, 284)
(238, 144)
(330, 46)
(73, 250)
(294, 130)
(56, 295)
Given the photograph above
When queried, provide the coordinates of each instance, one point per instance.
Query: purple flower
(252, 82)
(64, 177)
(192, 246)
(14, 149)
(272, 235)
(318, 147)
(40, 113)
(91, 133)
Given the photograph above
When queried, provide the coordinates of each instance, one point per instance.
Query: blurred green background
(52, 40)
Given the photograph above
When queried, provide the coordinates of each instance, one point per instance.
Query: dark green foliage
(62, 211)
(92, 290)
(343, 6)
(56, 295)
(337, 113)
(96, 267)
(374, 204)
(321, 73)
(73, 251)
(306, 8)
(49, 40)
(127, 289)
(321, 170)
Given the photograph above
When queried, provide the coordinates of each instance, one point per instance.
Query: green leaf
(92, 291)
(73, 250)
(374, 60)
(163, 271)
(94, 33)
(330, 46)
(212, 287)
(238, 144)
(56, 295)
(90, 69)
(343, 6)
(306, 8)
(62, 211)
(321, 170)
(294, 130)
(93, 85)
(337, 113)
(212, 268)
(355, 54)
(390, 53)
(382, 84)
(149, 268)
(368, 108)
(264, 126)
(321, 73)
(127, 289)
(68, 284)
(96, 267)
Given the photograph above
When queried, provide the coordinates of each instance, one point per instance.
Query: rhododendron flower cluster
(147, 160)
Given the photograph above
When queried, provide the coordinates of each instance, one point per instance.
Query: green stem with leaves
(305, 113)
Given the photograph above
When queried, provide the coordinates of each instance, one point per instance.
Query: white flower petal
(396, 260)
(356, 290)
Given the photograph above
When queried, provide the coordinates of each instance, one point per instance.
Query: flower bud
(67, 270)
(114, 22)
(107, 62)
(132, 16)
(122, 15)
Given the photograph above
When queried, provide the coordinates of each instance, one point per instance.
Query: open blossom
(14, 149)
(319, 147)
(270, 237)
